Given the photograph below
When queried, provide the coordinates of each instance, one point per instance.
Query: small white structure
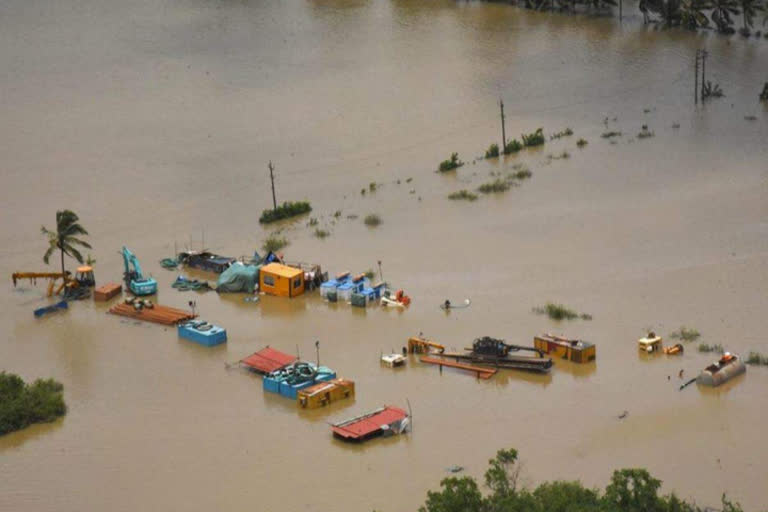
(393, 360)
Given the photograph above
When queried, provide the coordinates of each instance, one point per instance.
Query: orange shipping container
(281, 280)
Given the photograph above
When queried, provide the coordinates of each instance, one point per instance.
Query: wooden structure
(157, 314)
(418, 345)
(384, 421)
(267, 360)
(107, 291)
(573, 350)
(482, 373)
(324, 393)
(510, 362)
(281, 280)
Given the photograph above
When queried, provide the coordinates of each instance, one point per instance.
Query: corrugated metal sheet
(268, 360)
(363, 427)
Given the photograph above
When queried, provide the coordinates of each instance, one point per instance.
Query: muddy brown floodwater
(155, 120)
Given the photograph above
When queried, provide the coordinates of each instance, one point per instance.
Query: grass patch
(560, 312)
(685, 334)
(521, 174)
(492, 151)
(337, 214)
(581, 143)
(565, 133)
(534, 139)
(711, 348)
(463, 194)
(312, 222)
(645, 133)
(494, 186)
(285, 211)
(372, 187)
(23, 404)
(450, 164)
(321, 233)
(757, 358)
(274, 243)
(611, 134)
(372, 220)
(512, 146)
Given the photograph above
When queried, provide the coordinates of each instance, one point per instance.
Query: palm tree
(749, 10)
(64, 239)
(693, 15)
(721, 14)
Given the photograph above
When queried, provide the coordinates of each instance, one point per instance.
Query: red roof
(358, 428)
(268, 360)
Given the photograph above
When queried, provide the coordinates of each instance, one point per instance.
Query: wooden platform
(158, 314)
(105, 292)
(482, 373)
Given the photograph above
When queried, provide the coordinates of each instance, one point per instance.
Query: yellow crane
(84, 277)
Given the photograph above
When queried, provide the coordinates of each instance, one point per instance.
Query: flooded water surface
(155, 122)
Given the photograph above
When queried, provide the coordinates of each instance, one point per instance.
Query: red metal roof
(268, 360)
(362, 427)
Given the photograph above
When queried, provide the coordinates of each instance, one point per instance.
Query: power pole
(272, 179)
(696, 82)
(503, 128)
(620, 11)
(704, 54)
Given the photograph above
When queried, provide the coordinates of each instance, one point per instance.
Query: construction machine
(419, 345)
(133, 276)
(83, 279)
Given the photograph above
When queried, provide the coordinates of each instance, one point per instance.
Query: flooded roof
(268, 360)
(365, 425)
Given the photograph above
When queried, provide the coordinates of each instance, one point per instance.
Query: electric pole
(272, 179)
(704, 54)
(503, 129)
(696, 82)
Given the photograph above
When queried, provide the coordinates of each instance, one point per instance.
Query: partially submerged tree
(749, 9)
(64, 237)
(692, 14)
(722, 12)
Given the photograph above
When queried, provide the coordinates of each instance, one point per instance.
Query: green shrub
(312, 222)
(321, 233)
(522, 174)
(711, 348)
(534, 139)
(284, 211)
(492, 151)
(757, 359)
(372, 220)
(463, 194)
(565, 133)
(512, 146)
(645, 133)
(685, 334)
(372, 187)
(337, 214)
(274, 243)
(22, 405)
(369, 273)
(494, 186)
(611, 134)
(450, 164)
(560, 312)
(581, 143)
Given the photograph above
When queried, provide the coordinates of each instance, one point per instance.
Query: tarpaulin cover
(238, 278)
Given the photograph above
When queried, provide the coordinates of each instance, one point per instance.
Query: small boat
(385, 421)
(393, 360)
(449, 305)
(50, 309)
(722, 370)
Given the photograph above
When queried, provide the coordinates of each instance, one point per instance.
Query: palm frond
(47, 255)
(71, 251)
(77, 241)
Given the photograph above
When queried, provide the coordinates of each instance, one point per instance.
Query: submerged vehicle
(495, 352)
(205, 260)
(722, 370)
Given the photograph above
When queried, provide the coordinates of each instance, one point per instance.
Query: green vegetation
(711, 348)
(337, 214)
(757, 358)
(565, 133)
(22, 405)
(312, 222)
(274, 243)
(492, 151)
(450, 164)
(534, 139)
(64, 238)
(372, 220)
(463, 194)
(285, 211)
(494, 186)
(708, 90)
(630, 490)
(764, 94)
(372, 186)
(581, 143)
(685, 334)
(521, 173)
(512, 146)
(611, 134)
(321, 233)
(560, 312)
(370, 273)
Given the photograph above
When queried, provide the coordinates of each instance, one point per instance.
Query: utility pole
(620, 10)
(317, 347)
(696, 82)
(704, 54)
(272, 179)
(503, 129)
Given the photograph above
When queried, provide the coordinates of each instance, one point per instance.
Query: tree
(457, 495)
(722, 10)
(749, 9)
(692, 12)
(64, 238)
(633, 490)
